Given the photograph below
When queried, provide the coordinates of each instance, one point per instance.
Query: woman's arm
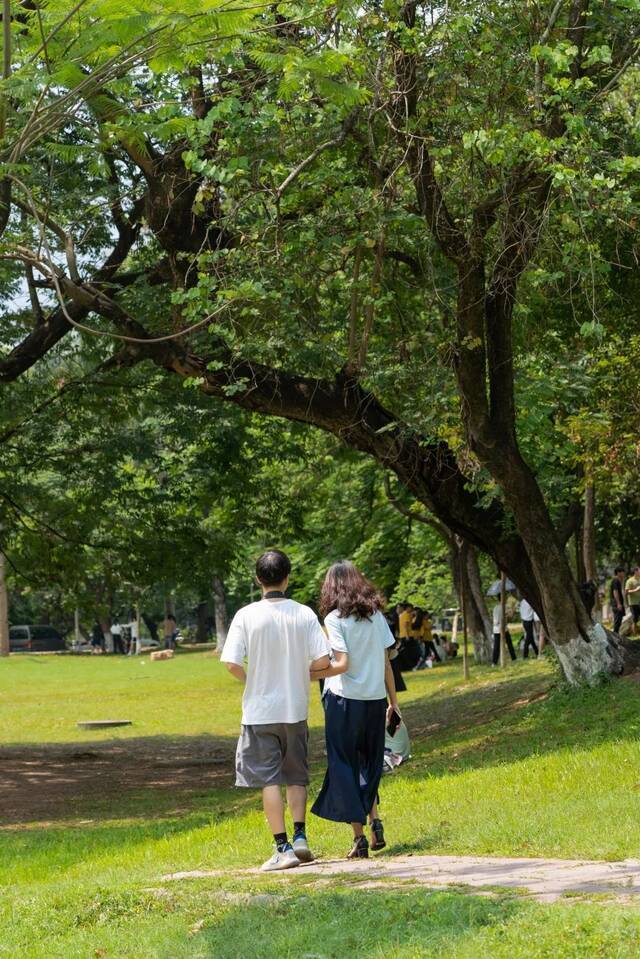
(390, 683)
(340, 665)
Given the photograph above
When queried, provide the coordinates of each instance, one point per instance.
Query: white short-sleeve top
(365, 641)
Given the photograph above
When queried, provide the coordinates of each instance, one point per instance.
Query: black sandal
(377, 835)
(360, 849)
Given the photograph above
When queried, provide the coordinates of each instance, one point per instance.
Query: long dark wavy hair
(346, 590)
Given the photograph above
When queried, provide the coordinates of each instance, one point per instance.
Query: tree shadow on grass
(363, 923)
(59, 782)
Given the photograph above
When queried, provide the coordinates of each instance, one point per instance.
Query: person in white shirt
(356, 709)
(116, 636)
(527, 616)
(281, 640)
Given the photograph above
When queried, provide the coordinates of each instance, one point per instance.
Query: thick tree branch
(341, 407)
(431, 521)
(48, 333)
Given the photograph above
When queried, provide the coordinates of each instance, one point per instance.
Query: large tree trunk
(4, 608)
(588, 534)
(581, 569)
(480, 625)
(484, 363)
(584, 648)
(202, 617)
(589, 546)
(220, 611)
(485, 373)
(463, 562)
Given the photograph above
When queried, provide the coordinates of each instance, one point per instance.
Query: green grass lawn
(508, 764)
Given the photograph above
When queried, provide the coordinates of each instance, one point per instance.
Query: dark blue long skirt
(354, 733)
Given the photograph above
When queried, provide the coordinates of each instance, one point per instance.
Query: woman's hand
(391, 709)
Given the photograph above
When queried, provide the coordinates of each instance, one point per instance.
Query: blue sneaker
(301, 848)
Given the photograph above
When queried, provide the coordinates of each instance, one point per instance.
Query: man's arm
(237, 671)
(323, 668)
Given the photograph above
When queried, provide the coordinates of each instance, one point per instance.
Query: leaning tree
(342, 215)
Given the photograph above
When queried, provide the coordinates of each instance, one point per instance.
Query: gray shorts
(273, 754)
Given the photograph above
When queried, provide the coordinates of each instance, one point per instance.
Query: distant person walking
(393, 621)
(497, 629)
(527, 616)
(281, 640)
(632, 588)
(116, 635)
(616, 597)
(356, 709)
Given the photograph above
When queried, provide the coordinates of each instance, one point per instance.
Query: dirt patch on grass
(62, 782)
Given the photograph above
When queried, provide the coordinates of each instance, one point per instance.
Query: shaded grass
(211, 923)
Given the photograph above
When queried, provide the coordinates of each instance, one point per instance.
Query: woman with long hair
(355, 700)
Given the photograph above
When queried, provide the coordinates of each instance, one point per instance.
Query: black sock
(281, 840)
(299, 829)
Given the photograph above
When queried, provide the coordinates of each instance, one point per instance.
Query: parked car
(443, 621)
(35, 639)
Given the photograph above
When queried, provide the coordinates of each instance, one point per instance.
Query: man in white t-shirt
(281, 640)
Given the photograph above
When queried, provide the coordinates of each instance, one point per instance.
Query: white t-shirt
(526, 611)
(365, 641)
(497, 618)
(279, 638)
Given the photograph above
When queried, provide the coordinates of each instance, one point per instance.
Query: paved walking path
(544, 879)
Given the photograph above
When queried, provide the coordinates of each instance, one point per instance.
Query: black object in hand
(393, 723)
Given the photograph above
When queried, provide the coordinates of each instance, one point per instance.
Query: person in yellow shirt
(404, 621)
(408, 650)
(422, 631)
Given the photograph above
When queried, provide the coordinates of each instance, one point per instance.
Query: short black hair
(272, 567)
(619, 569)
